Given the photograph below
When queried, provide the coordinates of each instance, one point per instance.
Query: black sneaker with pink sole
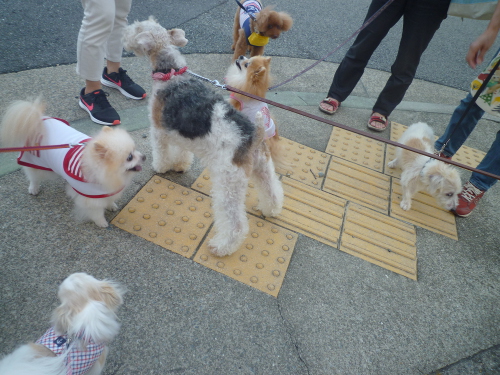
(97, 106)
(122, 82)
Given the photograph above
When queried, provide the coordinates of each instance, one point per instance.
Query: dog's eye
(449, 194)
(130, 157)
(246, 65)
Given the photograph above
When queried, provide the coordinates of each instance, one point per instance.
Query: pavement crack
(289, 330)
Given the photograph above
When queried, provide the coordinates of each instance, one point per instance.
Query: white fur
(78, 312)
(216, 149)
(104, 160)
(420, 172)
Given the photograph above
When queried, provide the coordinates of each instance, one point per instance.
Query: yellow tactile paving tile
(357, 149)
(306, 210)
(261, 262)
(424, 212)
(307, 164)
(358, 184)
(312, 212)
(169, 215)
(381, 240)
(465, 155)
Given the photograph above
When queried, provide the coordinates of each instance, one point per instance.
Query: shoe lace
(101, 100)
(124, 77)
(470, 192)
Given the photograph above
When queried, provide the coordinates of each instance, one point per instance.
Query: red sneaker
(467, 200)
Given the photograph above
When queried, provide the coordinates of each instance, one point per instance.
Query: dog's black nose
(241, 57)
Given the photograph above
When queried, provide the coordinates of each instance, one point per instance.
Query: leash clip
(218, 84)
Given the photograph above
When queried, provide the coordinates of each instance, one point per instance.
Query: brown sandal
(333, 102)
(380, 119)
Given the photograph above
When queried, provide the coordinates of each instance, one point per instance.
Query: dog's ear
(111, 294)
(178, 37)
(286, 20)
(145, 41)
(100, 150)
(435, 183)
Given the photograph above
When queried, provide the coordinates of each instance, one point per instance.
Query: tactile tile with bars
(307, 164)
(381, 240)
(424, 212)
(357, 149)
(306, 210)
(358, 184)
(262, 260)
(169, 215)
(465, 155)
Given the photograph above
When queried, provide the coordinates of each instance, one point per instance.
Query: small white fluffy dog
(82, 326)
(420, 172)
(189, 118)
(96, 172)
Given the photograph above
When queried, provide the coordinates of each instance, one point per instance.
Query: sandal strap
(333, 102)
(378, 118)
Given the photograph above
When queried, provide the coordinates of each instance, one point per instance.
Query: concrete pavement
(335, 313)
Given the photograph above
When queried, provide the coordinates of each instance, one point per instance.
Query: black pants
(421, 19)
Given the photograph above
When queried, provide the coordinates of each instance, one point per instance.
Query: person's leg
(478, 184)
(354, 62)
(114, 46)
(491, 164)
(113, 75)
(421, 20)
(457, 136)
(96, 27)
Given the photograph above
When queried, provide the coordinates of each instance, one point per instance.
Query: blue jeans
(491, 161)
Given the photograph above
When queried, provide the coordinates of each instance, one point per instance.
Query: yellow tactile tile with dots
(169, 215)
(307, 164)
(424, 212)
(357, 149)
(262, 260)
(358, 184)
(381, 240)
(465, 155)
(306, 210)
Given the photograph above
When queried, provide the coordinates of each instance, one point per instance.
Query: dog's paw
(405, 205)
(101, 222)
(33, 189)
(219, 249)
(181, 167)
(268, 211)
(112, 207)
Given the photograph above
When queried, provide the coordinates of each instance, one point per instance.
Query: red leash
(37, 148)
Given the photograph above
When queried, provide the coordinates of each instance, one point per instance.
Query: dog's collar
(159, 76)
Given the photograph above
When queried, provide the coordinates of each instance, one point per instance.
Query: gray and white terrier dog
(189, 118)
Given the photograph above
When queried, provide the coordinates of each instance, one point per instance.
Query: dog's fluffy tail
(26, 360)
(22, 122)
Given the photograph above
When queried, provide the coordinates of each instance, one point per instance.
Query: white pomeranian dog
(420, 172)
(97, 169)
(82, 326)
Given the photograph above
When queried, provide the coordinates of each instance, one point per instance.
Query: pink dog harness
(79, 360)
(65, 162)
(250, 108)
